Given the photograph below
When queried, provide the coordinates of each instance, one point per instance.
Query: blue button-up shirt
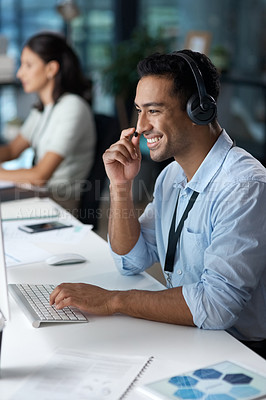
(220, 259)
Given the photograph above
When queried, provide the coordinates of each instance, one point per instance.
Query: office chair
(108, 132)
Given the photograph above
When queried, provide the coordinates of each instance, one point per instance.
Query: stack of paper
(81, 375)
(28, 209)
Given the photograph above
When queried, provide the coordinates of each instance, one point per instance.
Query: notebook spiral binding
(138, 376)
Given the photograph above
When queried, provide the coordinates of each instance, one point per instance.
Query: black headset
(201, 107)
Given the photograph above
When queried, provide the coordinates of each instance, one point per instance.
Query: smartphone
(43, 227)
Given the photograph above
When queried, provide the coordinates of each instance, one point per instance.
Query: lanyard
(174, 234)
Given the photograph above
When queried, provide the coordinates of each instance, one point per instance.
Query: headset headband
(197, 74)
(201, 107)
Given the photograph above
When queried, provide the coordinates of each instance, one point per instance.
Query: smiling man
(206, 224)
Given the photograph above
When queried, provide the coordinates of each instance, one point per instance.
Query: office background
(233, 34)
(110, 35)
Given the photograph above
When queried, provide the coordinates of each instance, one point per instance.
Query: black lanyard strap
(175, 234)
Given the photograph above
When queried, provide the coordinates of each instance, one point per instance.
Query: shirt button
(179, 272)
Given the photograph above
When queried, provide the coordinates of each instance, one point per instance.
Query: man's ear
(52, 68)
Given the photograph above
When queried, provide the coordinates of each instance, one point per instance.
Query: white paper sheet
(18, 252)
(77, 375)
(72, 235)
(22, 247)
(28, 209)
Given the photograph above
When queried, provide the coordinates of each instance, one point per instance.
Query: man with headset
(206, 224)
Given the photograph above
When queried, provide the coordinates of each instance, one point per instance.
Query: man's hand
(166, 305)
(92, 299)
(122, 160)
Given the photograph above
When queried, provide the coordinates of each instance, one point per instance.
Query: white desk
(176, 349)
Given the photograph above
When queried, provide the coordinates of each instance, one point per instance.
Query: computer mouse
(65, 258)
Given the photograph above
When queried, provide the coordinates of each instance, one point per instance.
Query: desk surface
(176, 349)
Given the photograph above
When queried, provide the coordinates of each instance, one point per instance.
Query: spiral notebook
(223, 381)
(71, 374)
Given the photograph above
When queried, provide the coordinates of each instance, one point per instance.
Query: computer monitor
(4, 302)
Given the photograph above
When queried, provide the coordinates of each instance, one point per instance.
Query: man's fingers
(122, 151)
(58, 294)
(65, 302)
(127, 133)
(53, 295)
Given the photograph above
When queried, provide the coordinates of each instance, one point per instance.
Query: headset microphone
(201, 107)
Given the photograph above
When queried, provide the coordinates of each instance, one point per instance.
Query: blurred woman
(60, 127)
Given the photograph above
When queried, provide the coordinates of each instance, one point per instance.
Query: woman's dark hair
(53, 47)
(177, 69)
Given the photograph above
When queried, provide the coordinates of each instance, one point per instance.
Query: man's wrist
(121, 192)
(118, 301)
(115, 301)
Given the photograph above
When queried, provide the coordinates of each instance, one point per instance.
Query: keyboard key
(35, 298)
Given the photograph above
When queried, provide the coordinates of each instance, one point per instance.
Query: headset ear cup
(193, 105)
(197, 114)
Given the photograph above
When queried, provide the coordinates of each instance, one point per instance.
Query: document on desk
(28, 209)
(19, 253)
(77, 375)
(70, 235)
(23, 248)
(225, 380)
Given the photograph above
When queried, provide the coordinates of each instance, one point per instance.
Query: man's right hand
(122, 160)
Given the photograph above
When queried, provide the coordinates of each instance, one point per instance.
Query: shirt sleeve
(144, 253)
(235, 259)
(28, 127)
(72, 117)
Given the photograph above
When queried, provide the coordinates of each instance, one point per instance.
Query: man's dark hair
(178, 70)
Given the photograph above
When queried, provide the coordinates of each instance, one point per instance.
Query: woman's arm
(37, 175)
(12, 150)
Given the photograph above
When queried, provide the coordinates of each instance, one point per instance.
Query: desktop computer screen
(4, 303)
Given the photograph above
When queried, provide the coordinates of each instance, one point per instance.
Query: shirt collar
(210, 165)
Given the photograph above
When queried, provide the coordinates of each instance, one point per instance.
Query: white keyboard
(34, 299)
